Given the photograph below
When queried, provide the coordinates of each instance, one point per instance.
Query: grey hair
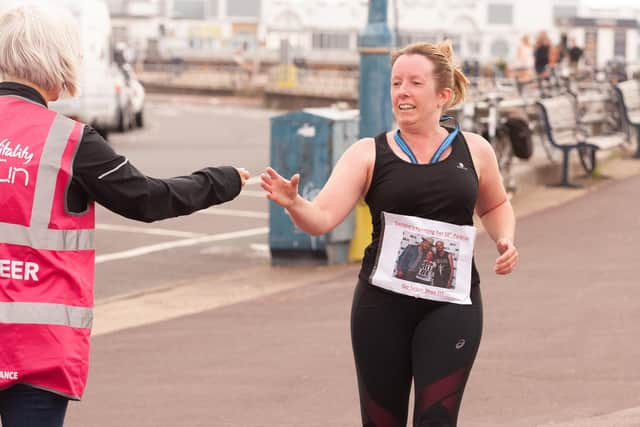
(40, 45)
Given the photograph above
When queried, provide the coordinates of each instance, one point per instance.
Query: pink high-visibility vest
(47, 254)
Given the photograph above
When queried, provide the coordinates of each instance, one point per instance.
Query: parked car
(124, 118)
(137, 94)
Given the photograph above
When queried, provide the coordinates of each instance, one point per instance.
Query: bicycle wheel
(587, 158)
(504, 155)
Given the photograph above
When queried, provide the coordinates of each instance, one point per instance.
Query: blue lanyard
(404, 147)
(436, 156)
(447, 141)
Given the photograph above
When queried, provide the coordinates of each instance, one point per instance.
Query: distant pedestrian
(558, 56)
(575, 54)
(541, 54)
(523, 67)
(424, 177)
(53, 169)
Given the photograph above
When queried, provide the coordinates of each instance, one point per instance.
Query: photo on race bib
(428, 261)
(425, 258)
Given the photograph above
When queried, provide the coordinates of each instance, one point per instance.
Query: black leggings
(397, 338)
(25, 406)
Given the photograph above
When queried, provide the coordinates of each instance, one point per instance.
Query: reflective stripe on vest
(57, 240)
(38, 313)
(51, 156)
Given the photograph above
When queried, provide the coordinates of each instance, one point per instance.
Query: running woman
(422, 173)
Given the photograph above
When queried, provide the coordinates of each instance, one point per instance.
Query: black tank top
(445, 191)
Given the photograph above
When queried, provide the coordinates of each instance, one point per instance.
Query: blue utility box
(309, 142)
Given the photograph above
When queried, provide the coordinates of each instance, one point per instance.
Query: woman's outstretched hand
(508, 258)
(280, 190)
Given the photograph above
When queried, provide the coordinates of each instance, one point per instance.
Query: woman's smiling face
(414, 91)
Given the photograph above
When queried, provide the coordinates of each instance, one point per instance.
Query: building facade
(479, 29)
(327, 30)
(207, 29)
(605, 38)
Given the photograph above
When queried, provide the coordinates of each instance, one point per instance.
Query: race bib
(425, 258)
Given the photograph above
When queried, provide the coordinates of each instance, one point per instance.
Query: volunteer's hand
(280, 190)
(244, 175)
(508, 258)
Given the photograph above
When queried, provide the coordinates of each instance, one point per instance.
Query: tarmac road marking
(253, 193)
(235, 213)
(235, 251)
(259, 247)
(151, 231)
(145, 250)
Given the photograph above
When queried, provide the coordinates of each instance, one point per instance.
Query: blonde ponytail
(460, 85)
(446, 48)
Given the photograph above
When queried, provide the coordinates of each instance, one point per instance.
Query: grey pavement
(270, 346)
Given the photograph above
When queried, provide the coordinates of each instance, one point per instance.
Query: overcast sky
(611, 3)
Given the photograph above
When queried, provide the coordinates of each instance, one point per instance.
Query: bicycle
(484, 118)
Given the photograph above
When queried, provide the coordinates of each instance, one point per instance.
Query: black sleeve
(100, 174)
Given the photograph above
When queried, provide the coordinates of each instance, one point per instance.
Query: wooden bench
(562, 130)
(629, 98)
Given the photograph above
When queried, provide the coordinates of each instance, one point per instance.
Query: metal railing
(490, 103)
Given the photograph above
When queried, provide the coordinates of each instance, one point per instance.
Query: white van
(97, 100)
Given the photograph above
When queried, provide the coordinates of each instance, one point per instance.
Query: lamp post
(374, 45)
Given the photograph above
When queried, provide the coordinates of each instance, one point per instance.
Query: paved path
(558, 350)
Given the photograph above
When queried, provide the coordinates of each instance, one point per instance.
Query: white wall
(605, 46)
(633, 46)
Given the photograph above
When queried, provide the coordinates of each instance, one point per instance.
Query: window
(500, 48)
(473, 47)
(189, 9)
(119, 33)
(163, 7)
(213, 8)
(408, 38)
(324, 40)
(429, 37)
(500, 13)
(243, 8)
(564, 12)
(455, 43)
(117, 7)
(620, 43)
